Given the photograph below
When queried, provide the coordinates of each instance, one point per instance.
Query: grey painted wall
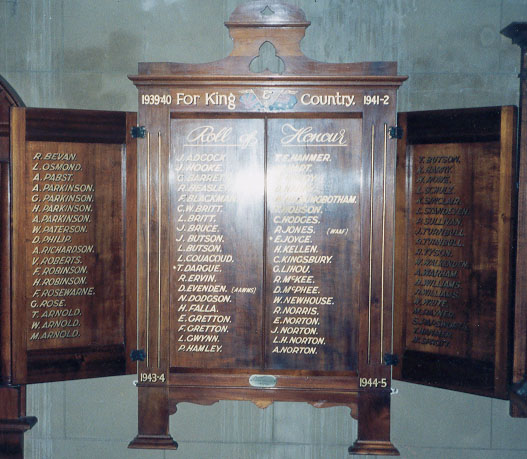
(77, 54)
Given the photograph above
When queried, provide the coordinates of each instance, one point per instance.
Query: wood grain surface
(455, 226)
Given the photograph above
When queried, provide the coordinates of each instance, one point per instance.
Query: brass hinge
(138, 354)
(396, 132)
(138, 132)
(391, 360)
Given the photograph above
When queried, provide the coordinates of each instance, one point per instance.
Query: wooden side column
(517, 31)
(153, 273)
(153, 417)
(374, 425)
(376, 309)
(13, 422)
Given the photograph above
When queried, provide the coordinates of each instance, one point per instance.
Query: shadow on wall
(89, 79)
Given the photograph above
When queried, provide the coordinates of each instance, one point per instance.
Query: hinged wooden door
(455, 227)
(73, 244)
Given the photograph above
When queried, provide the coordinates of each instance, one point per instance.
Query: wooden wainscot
(68, 224)
(265, 215)
(454, 243)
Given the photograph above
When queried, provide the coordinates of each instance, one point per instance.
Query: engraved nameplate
(263, 381)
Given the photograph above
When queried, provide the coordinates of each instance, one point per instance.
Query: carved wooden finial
(266, 38)
(265, 13)
(253, 23)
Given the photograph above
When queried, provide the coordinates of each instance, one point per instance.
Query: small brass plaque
(262, 381)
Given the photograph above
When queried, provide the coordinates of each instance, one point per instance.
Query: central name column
(313, 235)
(217, 200)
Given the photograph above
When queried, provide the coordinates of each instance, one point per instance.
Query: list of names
(61, 251)
(313, 206)
(441, 264)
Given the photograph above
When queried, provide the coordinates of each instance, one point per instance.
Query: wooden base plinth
(12, 436)
(373, 448)
(153, 442)
(19, 425)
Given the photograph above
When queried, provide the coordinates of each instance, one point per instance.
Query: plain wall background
(78, 53)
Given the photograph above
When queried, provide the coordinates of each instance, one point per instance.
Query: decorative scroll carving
(267, 60)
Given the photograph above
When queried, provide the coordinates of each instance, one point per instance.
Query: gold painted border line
(147, 249)
(385, 155)
(371, 238)
(159, 212)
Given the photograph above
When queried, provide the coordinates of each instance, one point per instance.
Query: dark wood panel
(74, 249)
(129, 180)
(71, 227)
(5, 275)
(449, 371)
(217, 209)
(73, 363)
(59, 125)
(455, 126)
(313, 243)
(453, 247)
(455, 218)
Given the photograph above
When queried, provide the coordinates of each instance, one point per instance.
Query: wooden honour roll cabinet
(265, 231)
